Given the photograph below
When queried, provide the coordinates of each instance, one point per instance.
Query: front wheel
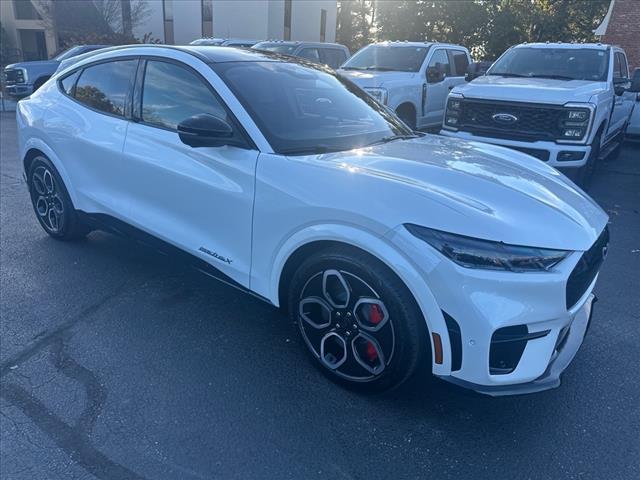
(585, 174)
(359, 322)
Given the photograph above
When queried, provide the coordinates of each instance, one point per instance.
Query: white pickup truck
(411, 78)
(565, 104)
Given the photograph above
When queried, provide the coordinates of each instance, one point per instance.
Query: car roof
(595, 46)
(303, 44)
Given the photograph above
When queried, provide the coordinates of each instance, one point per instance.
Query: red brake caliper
(372, 353)
(375, 317)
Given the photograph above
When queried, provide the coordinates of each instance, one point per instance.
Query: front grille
(586, 269)
(533, 121)
(12, 76)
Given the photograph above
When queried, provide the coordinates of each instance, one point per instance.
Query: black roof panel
(214, 54)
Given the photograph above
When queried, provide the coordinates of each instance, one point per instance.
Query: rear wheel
(358, 321)
(51, 202)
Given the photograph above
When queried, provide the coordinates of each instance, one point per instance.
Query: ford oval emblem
(504, 118)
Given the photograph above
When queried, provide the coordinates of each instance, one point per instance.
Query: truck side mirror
(635, 81)
(476, 69)
(621, 85)
(435, 74)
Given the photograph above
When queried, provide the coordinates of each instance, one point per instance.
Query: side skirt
(109, 224)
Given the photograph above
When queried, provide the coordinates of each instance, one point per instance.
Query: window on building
(167, 12)
(24, 10)
(287, 19)
(207, 18)
(460, 62)
(323, 25)
(171, 94)
(106, 86)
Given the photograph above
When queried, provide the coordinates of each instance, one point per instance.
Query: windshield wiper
(313, 150)
(391, 138)
(507, 75)
(554, 77)
(354, 68)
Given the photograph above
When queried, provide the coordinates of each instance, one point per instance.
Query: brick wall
(624, 30)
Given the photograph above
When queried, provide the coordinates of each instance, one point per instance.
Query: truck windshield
(304, 111)
(400, 58)
(559, 63)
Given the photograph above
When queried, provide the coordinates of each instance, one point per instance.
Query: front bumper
(551, 148)
(19, 90)
(468, 308)
(561, 359)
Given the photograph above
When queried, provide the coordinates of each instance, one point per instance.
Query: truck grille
(587, 268)
(532, 121)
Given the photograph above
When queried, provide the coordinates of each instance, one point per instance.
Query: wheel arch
(408, 107)
(316, 238)
(35, 147)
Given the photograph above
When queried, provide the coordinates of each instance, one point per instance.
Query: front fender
(380, 248)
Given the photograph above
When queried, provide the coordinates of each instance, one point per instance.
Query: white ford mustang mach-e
(385, 246)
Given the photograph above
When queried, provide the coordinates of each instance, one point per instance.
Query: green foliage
(486, 27)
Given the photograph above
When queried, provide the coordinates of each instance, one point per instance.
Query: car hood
(40, 64)
(474, 189)
(364, 78)
(538, 90)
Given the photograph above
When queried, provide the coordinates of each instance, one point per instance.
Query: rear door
(198, 199)
(88, 127)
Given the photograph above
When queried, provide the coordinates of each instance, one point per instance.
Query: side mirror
(434, 74)
(476, 69)
(635, 81)
(204, 130)
(621, 85)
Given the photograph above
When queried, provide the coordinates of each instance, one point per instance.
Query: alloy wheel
(47, 199)
(346, 325)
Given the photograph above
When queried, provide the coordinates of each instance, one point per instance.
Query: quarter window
(440, 60)
(171, 94)
(460, 62)
(69, 82)
(106, 86)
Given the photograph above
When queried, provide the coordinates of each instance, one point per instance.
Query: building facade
(621, 26)
(178, 22)
(181, 21)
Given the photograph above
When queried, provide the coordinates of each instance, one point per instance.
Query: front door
(437, 89)
(622, 104)
(199, 199)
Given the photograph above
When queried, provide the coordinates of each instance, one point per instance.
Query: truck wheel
(39, 83)
(585, 175)
(615, 153)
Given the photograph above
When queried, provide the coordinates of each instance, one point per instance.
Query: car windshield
(559, 63)
(72, 52)
(304, 110)
(402, 58)
(276, 47)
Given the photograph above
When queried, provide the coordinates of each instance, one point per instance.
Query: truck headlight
(380, 94)
(472, 252)
(574, 122)
(453, 112)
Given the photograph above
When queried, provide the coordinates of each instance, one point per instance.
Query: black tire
(51, 202)
(585, 174)
(408, 117)
(373, 361)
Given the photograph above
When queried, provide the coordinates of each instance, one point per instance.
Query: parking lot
(118, 363)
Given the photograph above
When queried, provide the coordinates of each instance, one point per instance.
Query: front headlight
(472, 252)
(574, 122)
(379, 94)
(453, 111)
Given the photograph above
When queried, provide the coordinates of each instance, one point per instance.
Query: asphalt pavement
(118, 363)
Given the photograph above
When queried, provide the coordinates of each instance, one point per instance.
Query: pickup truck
(24, 78)
(413, 79)
(565, 104)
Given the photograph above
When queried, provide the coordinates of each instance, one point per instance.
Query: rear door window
(107, 86)
(333, 57)
(460, 62)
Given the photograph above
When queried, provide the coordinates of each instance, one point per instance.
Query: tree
(355, 21)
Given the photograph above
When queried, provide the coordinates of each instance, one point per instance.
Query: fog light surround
(570, 156)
